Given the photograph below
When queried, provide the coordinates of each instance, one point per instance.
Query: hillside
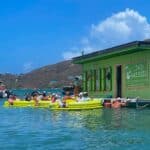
(55, 75)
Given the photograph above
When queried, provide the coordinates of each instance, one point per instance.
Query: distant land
(50, 76)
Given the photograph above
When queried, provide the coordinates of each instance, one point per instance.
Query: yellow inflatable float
(69, 105)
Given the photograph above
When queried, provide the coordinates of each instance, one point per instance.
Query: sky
(36, 33)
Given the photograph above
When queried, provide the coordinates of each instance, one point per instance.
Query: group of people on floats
(62, 100)
(54, 97)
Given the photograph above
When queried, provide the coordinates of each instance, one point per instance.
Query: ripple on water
(28, 129)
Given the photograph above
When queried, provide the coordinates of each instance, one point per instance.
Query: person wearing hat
(53, 98)
(83, 96)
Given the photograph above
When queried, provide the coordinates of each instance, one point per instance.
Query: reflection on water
(113, 118)
(78, 119)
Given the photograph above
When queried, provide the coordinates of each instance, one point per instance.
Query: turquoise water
(42, 129)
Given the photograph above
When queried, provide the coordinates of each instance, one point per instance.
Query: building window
(96, 76)
(106, 79)
(97, 80)
(94, 79)
(85, 81)
(100, 79)
(103, 79)
(89, 81)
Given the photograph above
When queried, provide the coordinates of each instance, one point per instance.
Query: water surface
(43, 129)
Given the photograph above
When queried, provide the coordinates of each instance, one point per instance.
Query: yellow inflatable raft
(70, 104)
(73, 105)
(23, 103)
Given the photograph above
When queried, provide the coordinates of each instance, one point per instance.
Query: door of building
(119, 80)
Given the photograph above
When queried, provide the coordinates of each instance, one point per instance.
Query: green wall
(135, 74)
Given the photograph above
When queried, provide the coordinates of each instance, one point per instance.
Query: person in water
(44, 96)
(28, 97)
(67, 96)
(53, 98)
(56, 98)
(35, 92)
(35, 98)
(117, 103)
(83, 96)
(11, 99)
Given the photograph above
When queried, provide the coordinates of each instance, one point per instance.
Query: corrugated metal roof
(113, 49)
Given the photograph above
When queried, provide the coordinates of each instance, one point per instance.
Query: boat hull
(138, 104)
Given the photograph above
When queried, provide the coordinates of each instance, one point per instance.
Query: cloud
(122, 27)
(74, 53)
(70, 54)
(28, 66)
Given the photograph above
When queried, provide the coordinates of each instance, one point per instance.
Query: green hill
(55, 75)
